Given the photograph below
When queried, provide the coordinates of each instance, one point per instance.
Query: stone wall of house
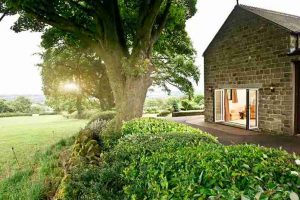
(251, 52)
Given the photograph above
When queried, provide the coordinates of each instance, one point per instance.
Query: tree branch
(59, 22)
(149, 18)
(161, 22)
(3, 15)
(120, 27)
(83, 8)
(146, 22)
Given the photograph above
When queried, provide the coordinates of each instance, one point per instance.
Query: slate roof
(290, 22)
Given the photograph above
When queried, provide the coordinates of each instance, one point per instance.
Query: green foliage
(21, 104)
(107, 182)
(146, 126)
(116, 26)
(199, 99)
(40, 180)
(150, 162)
(164, 113)
(68, 103)
(86, 150)
(175, 107)
(86, 182)
(67, 62)
(14, 114)
(213, 171)
(104, 115)
(154, 106)
(186, 105)
(5, 106)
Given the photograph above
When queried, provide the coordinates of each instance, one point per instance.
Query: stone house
(251, 72)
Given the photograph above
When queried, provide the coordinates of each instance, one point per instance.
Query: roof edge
(243, 7)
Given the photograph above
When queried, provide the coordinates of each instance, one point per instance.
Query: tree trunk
(129, 90)
(79, 106)
(131, 101)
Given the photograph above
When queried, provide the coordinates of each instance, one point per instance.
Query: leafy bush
(107, 182)
(5, 106)
(158, 126)
(164, 113)
(86, 182)
(152, 110)
(105, 115)
(22, 114)
(100, 120)
(199, 99)
(175, 107)
(14, 114)
(159, 159)
(97, 126)
(86, 114)
(186, 105)
(190, 105)
(212, 171)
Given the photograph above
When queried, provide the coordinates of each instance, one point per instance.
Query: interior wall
(240, 106)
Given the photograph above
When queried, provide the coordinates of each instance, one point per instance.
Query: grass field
(27, 135)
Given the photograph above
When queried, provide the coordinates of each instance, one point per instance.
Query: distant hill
(34, 98)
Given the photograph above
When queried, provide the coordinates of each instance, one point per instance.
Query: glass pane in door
(219, 105)
(253, 106)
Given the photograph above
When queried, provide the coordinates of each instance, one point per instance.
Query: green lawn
(30, 134)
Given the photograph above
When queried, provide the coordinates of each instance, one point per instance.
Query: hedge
(213, 171)
(107, 182)
(145, 126)
(159, 159)
(2, 115)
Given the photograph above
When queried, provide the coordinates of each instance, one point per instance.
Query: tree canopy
(139, 41)
(64, 65)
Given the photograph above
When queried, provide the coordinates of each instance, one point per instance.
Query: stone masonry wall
(248, 52)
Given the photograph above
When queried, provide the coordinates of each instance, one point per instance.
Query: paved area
(231, 135)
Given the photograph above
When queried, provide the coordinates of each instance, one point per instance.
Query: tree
(21, 104)
(65, 64)
(5, 107)
(124, 34)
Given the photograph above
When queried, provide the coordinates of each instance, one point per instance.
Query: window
(294, 43)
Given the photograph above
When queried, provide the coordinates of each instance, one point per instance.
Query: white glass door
(253, 109)
(219, 106)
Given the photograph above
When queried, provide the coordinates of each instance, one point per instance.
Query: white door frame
(249, 109)
(222, 106)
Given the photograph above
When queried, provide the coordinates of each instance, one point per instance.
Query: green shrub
(105, 115)
(190, 105)
(86, 114)
(152, 110)
(158, 126)
(164, 113)
(175, 106)
(186, 105)
(2, 115)
(199, 99)
(107, 182)
(87, 182)
(212, 171)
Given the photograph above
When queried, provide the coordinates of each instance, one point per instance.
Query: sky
(20, 75)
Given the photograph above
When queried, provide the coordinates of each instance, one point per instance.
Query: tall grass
(39, 181)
